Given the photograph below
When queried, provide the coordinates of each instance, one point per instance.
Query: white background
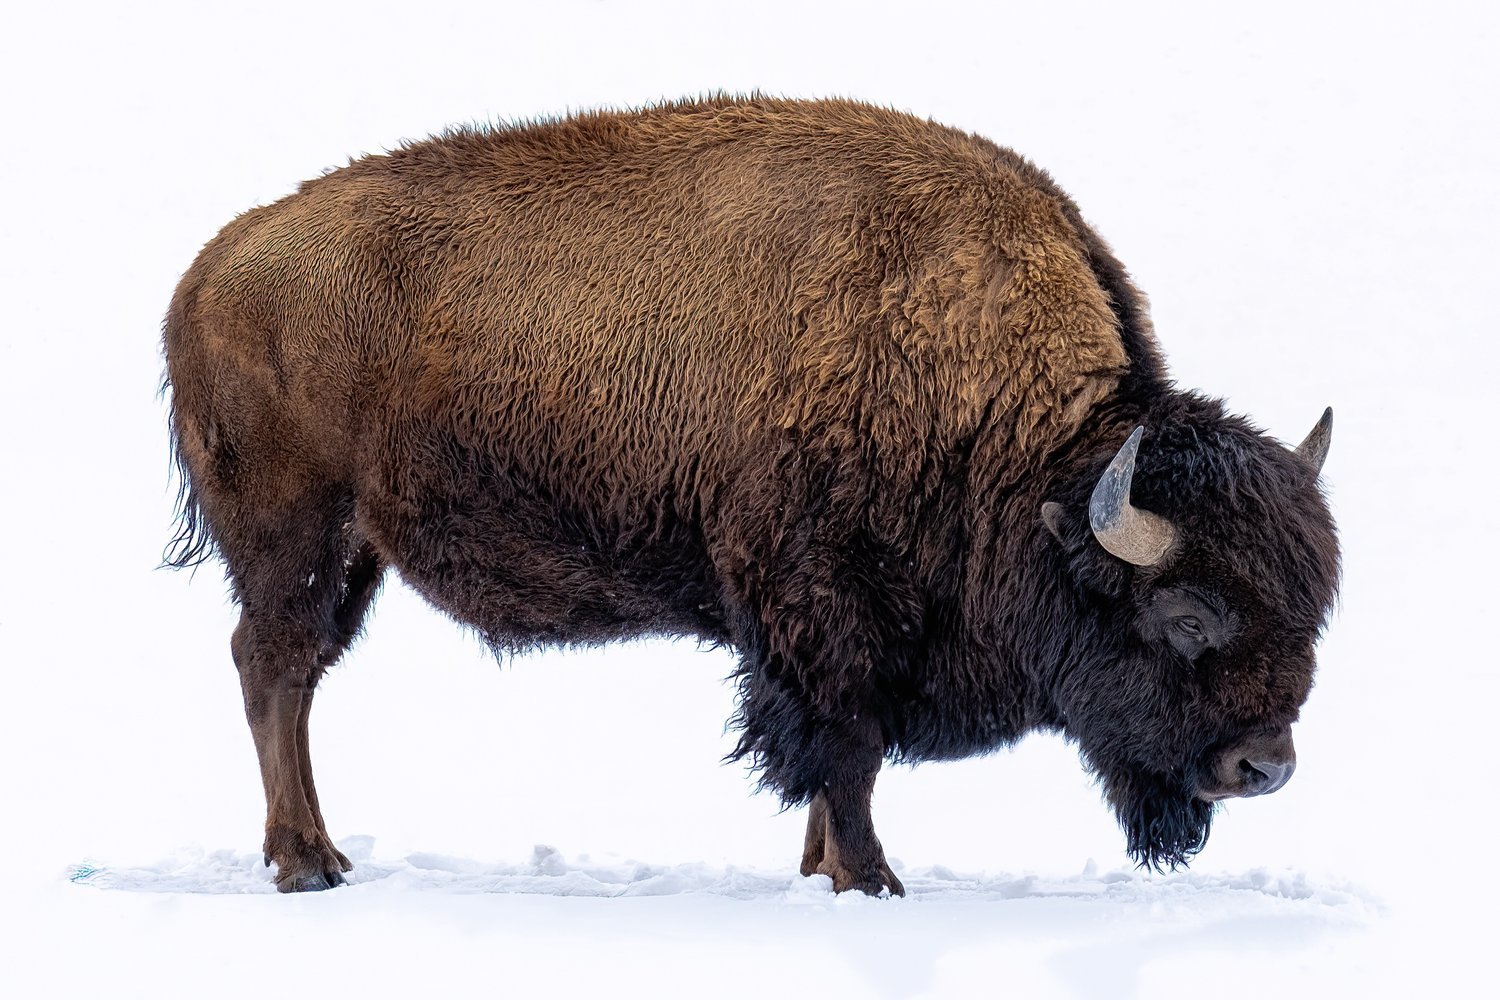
(1307, 193)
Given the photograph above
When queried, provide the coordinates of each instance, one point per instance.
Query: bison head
(1205, 563)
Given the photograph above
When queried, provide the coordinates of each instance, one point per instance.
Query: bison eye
(1190, 627)
(1187, 637)
(1188, 621)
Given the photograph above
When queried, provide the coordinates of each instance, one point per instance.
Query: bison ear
(1052, 517)
(1086, 564)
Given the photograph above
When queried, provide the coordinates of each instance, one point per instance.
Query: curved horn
(1314, 447)
(1137, 536)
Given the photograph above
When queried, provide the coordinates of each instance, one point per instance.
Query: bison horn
(1314, 447)
(1137, 536)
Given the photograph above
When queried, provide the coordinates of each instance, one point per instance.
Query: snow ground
(1091, 933)
(549, 873)
(1307, 193)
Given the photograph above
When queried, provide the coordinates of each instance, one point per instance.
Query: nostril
(1252, 775)
(1262, 777)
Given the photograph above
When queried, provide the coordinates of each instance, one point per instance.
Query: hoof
(305, 862)
(316, 882)
(870, 883)
(877, 886)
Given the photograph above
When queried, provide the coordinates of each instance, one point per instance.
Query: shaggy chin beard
(1165, 824)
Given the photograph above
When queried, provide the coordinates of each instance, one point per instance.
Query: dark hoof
(305, 862)
(894, 884)
(878, 886)
(311, 883)
(869, 883)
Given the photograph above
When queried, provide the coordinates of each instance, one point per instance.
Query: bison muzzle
(855, 394)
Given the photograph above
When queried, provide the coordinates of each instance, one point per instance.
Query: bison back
(591, 377)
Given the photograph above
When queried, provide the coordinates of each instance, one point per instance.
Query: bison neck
(1016, 623)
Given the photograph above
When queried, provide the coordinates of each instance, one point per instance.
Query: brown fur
(695, 369)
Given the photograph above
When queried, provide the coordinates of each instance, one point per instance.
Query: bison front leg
(811, 711)
(817, 834)
(850, 853)
(841, 841)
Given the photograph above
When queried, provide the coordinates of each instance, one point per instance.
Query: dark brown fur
(790, 376)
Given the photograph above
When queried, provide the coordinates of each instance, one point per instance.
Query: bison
(858, 395)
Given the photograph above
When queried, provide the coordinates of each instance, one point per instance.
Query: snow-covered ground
(1306, 192)
(1093, 933)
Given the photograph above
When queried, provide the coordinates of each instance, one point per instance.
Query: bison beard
(1165, 823)
(817, 381)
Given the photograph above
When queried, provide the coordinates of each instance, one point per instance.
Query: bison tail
(191, 545)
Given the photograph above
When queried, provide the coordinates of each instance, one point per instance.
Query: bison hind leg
(304, 580)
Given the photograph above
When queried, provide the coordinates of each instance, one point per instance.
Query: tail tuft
(191, 544)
